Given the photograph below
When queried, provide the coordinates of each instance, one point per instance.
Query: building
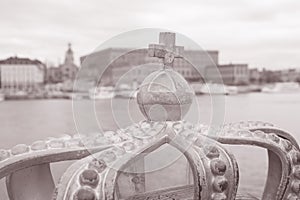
(54, 75)
(65, 72)
(68, 68)
(112, 64)
(231, 74)
(21, 74)
(289, 75)
(254, 76)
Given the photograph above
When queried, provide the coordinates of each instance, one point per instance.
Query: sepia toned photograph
(149, 100)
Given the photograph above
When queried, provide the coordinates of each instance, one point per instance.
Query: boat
(2, 97)
(126, 91)
(218, 89)
(286, 87)
(102, 92)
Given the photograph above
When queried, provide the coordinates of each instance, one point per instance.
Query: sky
(261, 33)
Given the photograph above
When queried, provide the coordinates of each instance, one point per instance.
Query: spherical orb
(164, 96)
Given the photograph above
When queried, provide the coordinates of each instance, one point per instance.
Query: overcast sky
(258, 32)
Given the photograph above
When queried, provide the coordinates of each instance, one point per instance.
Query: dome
(164, 96)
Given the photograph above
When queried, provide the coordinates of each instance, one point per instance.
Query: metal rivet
(3, 154)
(296, 171)
(89, 177)
(128, 146)
(19, 149)
(98, 165)
(245, 133)
(259, 133)
(57, 144)
(85, 194)
(287, 145)
(295, 186)
(213, 152)
(292, 197)
(218, 167)
(296, 157)
(273, 137)
(220, 184)
(109, 156)
(39, 145)
(219, 196)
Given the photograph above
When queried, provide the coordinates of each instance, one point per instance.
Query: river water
(27, 121)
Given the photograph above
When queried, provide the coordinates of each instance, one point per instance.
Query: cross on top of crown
(166, 48)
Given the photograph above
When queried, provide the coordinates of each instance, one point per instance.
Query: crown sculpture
(164, 98)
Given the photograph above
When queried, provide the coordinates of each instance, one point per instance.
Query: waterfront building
(21, 74)
(254, 76)
(65, 72)
(114, 64)
(68, 68)
(53, 75)
(232, 74)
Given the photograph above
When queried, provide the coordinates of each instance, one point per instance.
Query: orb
(164, 96)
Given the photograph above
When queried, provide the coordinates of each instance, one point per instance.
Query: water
(27, 121)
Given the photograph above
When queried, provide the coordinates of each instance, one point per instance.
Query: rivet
(245, 133)
(56, 143)
(219, 196)
(287, 145)
(118, 150)
(273, 137)
(213, 152)
(109, 134)
(296, 171)
(128, 146)
(218, 167)
(109, 156)
(296, 157)
(3, 154)
(178, 126)
(89, 177)
(85, 194)
(19, 149)
(292, 197)
(295, 186)
(98, 165)
(220, 184)
(38, 145)
(259, 133)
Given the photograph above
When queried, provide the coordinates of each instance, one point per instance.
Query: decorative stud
(89, 177)
(273, 137)
(213, 152)
(296, 171)
(259, 133)
(85, 194)
(287, 145)
(128, 146)
(4, 154)
(98, 165)
(38, 145)
(296, 186)
(118, 150)
(245, 133)
(218, 167)
(219, 196)
(56, 143)
(296, 157)
(109, 156)
(293, 197)
(19, 149)
(220, 184)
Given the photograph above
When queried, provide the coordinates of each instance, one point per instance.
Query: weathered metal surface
(103, 158)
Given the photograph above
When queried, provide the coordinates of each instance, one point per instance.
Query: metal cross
(166, 48)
